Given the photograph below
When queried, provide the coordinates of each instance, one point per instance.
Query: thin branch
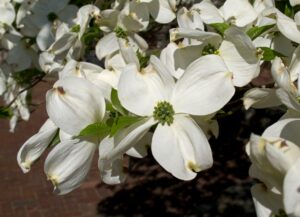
(26, 88)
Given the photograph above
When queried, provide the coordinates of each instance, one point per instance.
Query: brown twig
(40, 78)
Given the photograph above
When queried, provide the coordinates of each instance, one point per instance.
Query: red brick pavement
(30, 195)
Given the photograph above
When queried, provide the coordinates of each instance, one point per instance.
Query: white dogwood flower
(74, 103)
(179, 145)
(236, 50)
(275, 162)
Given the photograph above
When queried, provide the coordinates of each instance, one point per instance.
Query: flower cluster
(118, 94)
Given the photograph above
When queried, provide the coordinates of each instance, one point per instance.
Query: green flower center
(52, 17)
(120, 33)
(75, 28)
(164, 113)
(209, 49)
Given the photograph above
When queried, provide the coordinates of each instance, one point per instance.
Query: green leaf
(93, 34)
(256, 31)
(116, 102)
(99, 130)
(268, 54)
(288, 10)
(123, 122)
(27, 76)
(5, 113)
(285, 7)
(281, 213)
(220, 27)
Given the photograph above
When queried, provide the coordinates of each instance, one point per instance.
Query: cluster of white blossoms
(132, 97)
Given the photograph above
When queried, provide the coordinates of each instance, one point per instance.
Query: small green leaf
(288, 10)
(143, 59)
(285, 7)
(5, 113)
(123, 122)
(120, 33)
(256, 31)
(281, 213)
(75, 28)
(98, 130)
(220, 27)
(116, 102)
(93, 34)
(268, 54)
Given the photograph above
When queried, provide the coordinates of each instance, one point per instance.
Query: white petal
(106, 46)
(140, 150)
(7, 13)
(163, 72)
(33, 148)
(139, 92)
(282, 76)
(179, 33)
(45, 37)
(282, 155)
(288, 99)
(115, 62)
(189, 19)
(63, 136)
(204, 88)
(287, 27)
(48, 64)
(240, 11)
(184, 56)
(74, 103)
(209, 127)
(128, 52)
(84, 15)
(124, 140)
(2, 82)
(258, 154)
(266, 202)
(167, 58)
(239, 54)
(68, 164)
(111, 150)
(294, 66)
(297, 18)
(137, 40)
(112, 173)
(291, 193)
(181, 148)
(283, 45)
(209, 13)
(268, 178)
(286, 129)
(20, 57)
(260, 98)
(294, 2)
(110, 77)
(161, 11)
(64, 43)
(68, 14)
